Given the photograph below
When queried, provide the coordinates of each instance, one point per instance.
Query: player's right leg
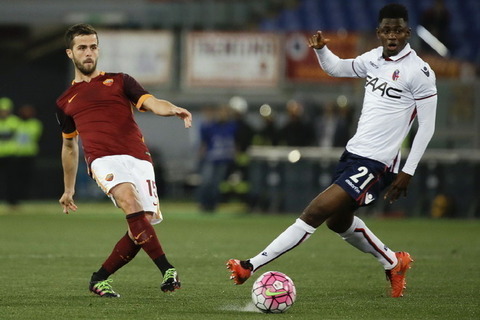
(103, 288)
(286, 241)
(334, 199)
(123, 252)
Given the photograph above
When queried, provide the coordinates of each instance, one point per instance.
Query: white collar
(402, 54)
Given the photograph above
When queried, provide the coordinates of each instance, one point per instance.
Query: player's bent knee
(126, 198)
(316, 213)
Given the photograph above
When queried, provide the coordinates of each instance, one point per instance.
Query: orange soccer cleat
(396, 276)
(241, 270)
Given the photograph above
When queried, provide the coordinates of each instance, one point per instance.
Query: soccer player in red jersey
(98, 107)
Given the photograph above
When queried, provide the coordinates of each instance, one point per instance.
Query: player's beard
(83, 68)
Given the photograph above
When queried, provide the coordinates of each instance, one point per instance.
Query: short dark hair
(393, 11)
(81, 29)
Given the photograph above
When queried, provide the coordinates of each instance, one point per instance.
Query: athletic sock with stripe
(286, 241)
(359, 236)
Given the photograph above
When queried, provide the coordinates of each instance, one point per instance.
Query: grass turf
(46, 260)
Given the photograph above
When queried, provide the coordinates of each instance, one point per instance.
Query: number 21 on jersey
(362, 175)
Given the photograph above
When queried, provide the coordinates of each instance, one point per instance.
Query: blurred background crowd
(267, 122)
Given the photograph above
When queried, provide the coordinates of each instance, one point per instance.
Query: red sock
(144, 235)
(124, 251)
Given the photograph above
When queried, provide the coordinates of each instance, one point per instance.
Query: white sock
(359, 236)
(286, 241)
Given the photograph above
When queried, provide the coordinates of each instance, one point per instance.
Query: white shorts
(110, 171)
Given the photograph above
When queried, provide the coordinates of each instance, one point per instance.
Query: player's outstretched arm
(329, 62)
(165, 108)
(317, 41)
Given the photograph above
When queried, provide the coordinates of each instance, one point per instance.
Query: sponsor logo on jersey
(264, 254)
(377, 85)
(373, 65)
(425, 71)
(108, 82)
(354, 187)
(396, 75)
(109, 177)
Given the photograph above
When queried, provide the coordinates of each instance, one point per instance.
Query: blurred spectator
(265, 176)
(296, 131)
(333, 127)
(436, 19)
(217, 154)
(237, 184)
(344, 125)
(27, 137)
(267, 134)
(443, 206)
(8, 127)
(244, 132)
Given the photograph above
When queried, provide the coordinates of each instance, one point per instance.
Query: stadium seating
(361, 15)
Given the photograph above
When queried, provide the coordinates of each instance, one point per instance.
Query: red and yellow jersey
(101, 112)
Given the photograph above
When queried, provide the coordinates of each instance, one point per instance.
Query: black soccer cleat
(170, 281)
(103, 289)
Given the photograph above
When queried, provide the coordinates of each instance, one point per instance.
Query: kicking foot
(240, 270)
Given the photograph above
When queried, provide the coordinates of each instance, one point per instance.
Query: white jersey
(397, 89)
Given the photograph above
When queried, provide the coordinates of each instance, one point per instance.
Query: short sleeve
(133, 90)
(66, 123)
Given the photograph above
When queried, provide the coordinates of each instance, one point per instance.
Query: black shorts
(362, 178)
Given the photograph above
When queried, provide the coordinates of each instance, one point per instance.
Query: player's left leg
(364, 179)
(361, 237)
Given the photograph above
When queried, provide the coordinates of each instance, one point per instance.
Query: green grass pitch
(47, 257)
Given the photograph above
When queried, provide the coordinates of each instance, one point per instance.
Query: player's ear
(69, 53)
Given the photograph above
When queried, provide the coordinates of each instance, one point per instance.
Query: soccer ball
(273, 292)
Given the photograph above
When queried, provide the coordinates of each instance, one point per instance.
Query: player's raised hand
(67, 203)
(317, 41)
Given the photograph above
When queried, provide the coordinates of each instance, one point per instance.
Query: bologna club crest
(396, 75)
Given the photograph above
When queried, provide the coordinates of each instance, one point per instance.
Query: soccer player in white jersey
(399, 87)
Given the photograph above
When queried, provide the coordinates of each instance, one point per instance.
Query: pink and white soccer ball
(273, 292)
